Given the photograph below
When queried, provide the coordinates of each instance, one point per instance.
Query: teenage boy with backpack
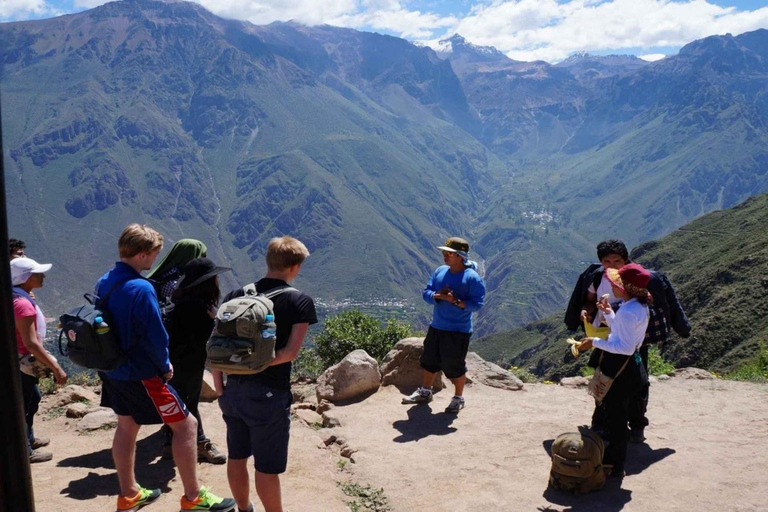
(456, 290)
(665, 312)
(256, 407)
(137, 390)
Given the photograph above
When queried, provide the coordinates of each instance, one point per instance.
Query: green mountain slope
(717, 265)
(371, 149)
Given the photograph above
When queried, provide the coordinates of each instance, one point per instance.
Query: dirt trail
(704, 452)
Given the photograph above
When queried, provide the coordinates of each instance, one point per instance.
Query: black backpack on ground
(91, 341)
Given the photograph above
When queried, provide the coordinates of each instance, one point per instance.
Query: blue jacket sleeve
(476, 297)
(429, 291)
(149, 326)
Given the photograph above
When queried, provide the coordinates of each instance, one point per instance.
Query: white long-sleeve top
(628, 327)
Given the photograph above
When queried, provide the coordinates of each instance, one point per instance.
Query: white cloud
(22, 9)
(524, 29)
(550, 30)
(652, 57)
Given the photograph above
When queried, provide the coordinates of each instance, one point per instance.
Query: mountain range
(370, 149)
(717, 266)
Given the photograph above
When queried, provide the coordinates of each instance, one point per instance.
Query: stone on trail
(328, 435)
(73, 393)
(354, 376)
(324, 406)
(491, 374)
(663, 377)
(574, 382)
(692, 373)
(309, 416)
(331, 419)
(77, 410)
(96, 420)
(401, 368)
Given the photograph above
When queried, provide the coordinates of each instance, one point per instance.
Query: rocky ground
(703, 452)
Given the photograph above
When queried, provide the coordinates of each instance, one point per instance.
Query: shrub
(307, 365)
(657, 365)
(354, 330)
(756, 370)
(523, 374)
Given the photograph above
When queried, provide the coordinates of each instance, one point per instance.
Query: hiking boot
(167, 452)
(637, 435)
(39, 442)
(207, 452)
(143, 497)
(206, 500)
(420, 396)
(38, 456)
(457, 404)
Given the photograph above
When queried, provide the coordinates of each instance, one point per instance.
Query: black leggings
(31, 396)
(188, 383)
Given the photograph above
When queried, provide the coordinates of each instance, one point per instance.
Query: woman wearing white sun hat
(27, 274)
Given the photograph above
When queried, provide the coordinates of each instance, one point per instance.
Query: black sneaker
(457, 404)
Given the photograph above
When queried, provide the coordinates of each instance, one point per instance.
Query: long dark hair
(208, 291)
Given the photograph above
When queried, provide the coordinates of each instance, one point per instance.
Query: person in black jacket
(666, 312)
(190, 325)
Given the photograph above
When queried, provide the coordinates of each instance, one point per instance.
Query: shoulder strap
(250, 289)
(271, 294)
(103, 300)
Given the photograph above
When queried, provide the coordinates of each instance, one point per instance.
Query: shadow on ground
(154, 472)
(612, 497)
(422, 423)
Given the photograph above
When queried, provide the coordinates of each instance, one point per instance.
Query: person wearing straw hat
(196, 300)
(620, 359)
(26, 275)
(456, 290)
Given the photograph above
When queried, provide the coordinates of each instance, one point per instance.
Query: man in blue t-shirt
(456, 290)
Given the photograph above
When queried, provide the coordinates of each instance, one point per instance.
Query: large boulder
(480, 370)
(355, 376)
(73, 393)
(401, 367)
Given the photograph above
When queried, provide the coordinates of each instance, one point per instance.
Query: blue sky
(523, 29)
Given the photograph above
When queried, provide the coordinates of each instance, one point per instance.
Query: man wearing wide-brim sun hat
(456, 290)
(620, 359)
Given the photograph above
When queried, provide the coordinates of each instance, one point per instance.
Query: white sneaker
(420, 396)
(457, 404)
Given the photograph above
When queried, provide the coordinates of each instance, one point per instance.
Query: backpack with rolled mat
(577, 462)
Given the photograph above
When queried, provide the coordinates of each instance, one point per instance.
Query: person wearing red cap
(620, 358)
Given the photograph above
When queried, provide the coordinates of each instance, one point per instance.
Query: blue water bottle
(101, 325)
(269, 329)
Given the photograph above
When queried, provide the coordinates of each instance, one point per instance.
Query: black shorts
(258, 422)
(446, 351)
(148, 402)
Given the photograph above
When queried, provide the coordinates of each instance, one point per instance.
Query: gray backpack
(243, 340)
